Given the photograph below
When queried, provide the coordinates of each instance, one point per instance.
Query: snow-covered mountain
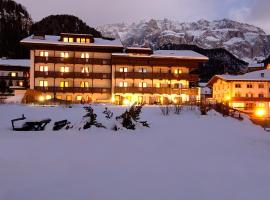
(245, 41)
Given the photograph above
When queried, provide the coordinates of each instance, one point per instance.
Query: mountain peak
(243, 40)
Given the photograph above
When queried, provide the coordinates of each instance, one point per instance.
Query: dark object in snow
(108, 113)
(204, 107)
(130, 118)
(30, 126)
(165, 110)
(60, 125)
(177, 109)
(91, 119)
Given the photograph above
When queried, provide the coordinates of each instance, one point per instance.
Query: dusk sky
(97, 12)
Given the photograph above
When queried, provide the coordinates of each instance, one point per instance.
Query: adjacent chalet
(15, 72)
(248, 92)
(80, 68)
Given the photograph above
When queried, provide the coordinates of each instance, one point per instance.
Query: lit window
(64, 69)
(123, 69)
(123, 84)
(70, 40)
(142, 84)
(178, 71)
(79, 98)
(59, 97)
(158, 85)
(48, 97)
(43, 68)
(82, 40)
(43, 83)
(142, 70)
(65, 39)
(85, 55)
(261, 105)
(64, 55)
(87, 40)
(78, 40)
(85, 70)
(84, 84)
(63, 84)
(69, 98)
(21, 83)
(13, 74)
(44, 53)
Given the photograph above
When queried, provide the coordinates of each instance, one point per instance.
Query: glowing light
(126, 102)
(41, 98)
(227, 98)
(48, 97)
(260, 112)
(113, 99)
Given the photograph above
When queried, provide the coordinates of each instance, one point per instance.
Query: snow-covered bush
(130, 119)
(90, 119)
(108, 113)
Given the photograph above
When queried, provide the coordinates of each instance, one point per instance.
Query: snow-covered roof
(180, 53)
(261, 75)
(255, 64)
(53, 39)
(15, 62)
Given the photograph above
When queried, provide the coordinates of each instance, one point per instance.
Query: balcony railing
(149, 75)
(14, 77)
(154, 90)
(73, 75)
(72, 60)
(74, 89)
(252, 99)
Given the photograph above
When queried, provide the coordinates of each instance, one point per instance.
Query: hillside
(15, 23)
(56, 24)
(245, 41)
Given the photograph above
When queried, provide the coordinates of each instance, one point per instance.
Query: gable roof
(261, 75)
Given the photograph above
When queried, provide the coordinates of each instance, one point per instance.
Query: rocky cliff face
(245, 41)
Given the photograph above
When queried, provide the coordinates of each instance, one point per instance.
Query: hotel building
(78, 67)
(248, 92)
(15, 72)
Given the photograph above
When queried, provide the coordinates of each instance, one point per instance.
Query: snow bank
(185, 156)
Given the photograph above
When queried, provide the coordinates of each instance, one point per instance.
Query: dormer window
(65, 39)
(70, 40)
(82, 40)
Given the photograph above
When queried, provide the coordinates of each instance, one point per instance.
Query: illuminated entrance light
(260, 112)
(41, 98)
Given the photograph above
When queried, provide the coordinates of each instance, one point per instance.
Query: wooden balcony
(72, 60)
(252, 99)
(154, 90)
(51, 74)
(19, 78)
(73, 89)
(160, 76)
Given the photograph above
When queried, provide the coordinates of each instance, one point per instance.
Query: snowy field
(181, 157)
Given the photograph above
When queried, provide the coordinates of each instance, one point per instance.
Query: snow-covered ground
(185, 156)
